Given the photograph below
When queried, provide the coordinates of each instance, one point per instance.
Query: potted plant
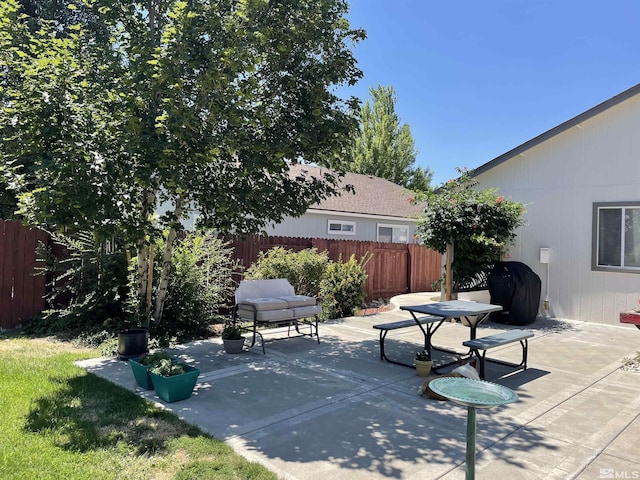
(140, 367)
(232, 338)
(173, 381)
(423, 363)
(132, 342)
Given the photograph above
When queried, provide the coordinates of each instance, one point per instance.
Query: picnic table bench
(385, 328)
(499, 339)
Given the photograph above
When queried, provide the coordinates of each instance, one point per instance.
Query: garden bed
(376, 306)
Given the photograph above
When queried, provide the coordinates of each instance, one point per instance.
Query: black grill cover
(515, 287)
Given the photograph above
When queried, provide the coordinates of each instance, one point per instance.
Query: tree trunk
(142, 263)
(448, 271)
(166, 264)
(142, 251)
(149, 287)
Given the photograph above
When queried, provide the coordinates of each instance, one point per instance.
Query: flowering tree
(478, 223)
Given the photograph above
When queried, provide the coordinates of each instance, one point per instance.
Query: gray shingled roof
(373, 196)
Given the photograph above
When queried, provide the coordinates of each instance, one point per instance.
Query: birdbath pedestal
(473, 394)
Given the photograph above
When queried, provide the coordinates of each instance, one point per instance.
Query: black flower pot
(132, 343)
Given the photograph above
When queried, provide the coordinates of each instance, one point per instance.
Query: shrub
(199, 286)
(338, 286)
(167, 368)
(423, 356)
(87, 288)
(342, 288)
(154, 358)
(95, 281)
(303, 269)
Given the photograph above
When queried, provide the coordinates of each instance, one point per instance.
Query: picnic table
(470, 314)
(430, 316)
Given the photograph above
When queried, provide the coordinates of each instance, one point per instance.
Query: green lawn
(60, 422)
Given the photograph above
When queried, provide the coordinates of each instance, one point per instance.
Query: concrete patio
(335, 411)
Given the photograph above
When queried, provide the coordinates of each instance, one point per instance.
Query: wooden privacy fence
(21, 291)
(394, 269)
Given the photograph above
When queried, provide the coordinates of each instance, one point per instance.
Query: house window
(341, 227)
(616, 237)
(393, 233)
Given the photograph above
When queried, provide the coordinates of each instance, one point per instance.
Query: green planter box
(177, 387)
(141, 374)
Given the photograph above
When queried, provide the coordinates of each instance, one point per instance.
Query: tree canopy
(384, 147)
(109, 107)
(480, 224)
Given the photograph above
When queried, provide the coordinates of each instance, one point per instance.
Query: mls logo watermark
(612, 473)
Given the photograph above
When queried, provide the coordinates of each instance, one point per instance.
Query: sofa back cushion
(269, 288)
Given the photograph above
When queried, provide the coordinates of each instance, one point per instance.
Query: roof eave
(340, 213)
(577, 120)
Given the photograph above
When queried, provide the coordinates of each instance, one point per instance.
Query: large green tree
(383, 146)
(109, 107)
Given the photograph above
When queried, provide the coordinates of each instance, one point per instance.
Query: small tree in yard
(476, 225)
(108, 107)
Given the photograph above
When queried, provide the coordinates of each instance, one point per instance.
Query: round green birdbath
(472, 394)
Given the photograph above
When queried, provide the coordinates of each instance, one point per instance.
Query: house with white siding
(374, 209)
(580, 183)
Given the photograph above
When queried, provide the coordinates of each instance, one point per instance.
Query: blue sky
(475, 78)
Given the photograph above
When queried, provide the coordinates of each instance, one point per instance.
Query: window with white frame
(341, 227)
(616, 237)
(393, 233)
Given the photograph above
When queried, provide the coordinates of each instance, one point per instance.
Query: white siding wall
(558, 181)
(314, 225)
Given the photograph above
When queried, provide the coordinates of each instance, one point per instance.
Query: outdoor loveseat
(274, 303)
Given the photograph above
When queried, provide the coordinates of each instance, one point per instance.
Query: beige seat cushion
(298, 300)
(265, 303)
(265, 315)
(309, 311)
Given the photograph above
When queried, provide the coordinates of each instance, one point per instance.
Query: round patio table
(472, 394)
